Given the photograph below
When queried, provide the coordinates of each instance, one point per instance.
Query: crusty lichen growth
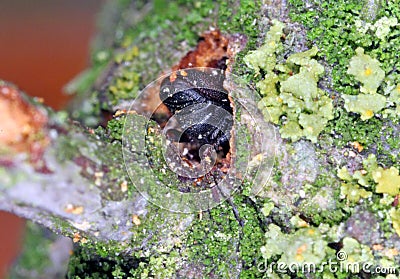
(368, 185)
(388, 180)
(381, 27)
(264, 58)
(355, 186)
(356, 252)
(338, 30)
(366, 105)
(367, 71)
(308, 245)
(385, 181)
(291, 96)
(305, 245)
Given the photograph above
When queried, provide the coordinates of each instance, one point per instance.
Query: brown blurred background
(43, 45)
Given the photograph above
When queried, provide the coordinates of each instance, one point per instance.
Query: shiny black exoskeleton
(200, 106)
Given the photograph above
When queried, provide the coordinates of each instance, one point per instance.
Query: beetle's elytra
(201, 105)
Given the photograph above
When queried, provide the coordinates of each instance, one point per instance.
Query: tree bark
(74, 172)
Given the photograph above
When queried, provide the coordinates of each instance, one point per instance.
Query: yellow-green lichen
(354, 192)
(355, 186)
(267, 208)
(370, 183)
(126, 83)
(388, 180)
(381, 27)
(376, 179)
(344, 174)
(305, 245)
(355, 252)
(264, 58)
(366, 70)
(291, 96)
(127, 55)
(364, 104)
(350, 189)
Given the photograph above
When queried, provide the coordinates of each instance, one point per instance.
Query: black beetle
(201, 106)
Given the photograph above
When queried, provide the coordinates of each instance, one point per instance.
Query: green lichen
(305, 245)
(299, 106)
(354, 192)
(219, 241)
(323, 204)
(381, 27)
(365, 104)
(211, 242)
(86, 263)
(209, 238)
(122, 61)
(374, 135)
(366, 70)
(161, 31)
(388, 180)
(362, 177)
(159, 259)
(356, 252)
(264, 58)
(338, 29)
(267, 208)
(164, 15)
(354, 186)
(114, 128)
(368, 184)
(161, 266)
(127, 81)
